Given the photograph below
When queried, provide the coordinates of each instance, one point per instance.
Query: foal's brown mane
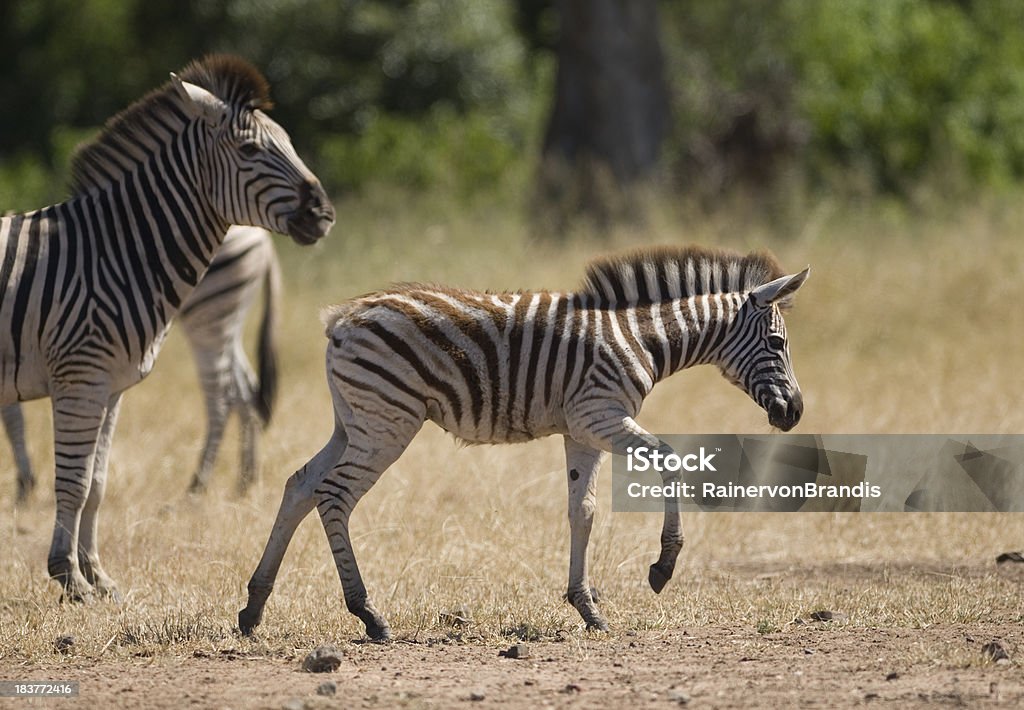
(646, 276)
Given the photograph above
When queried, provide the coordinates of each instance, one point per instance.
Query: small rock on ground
(519, 650)
(328, 687)
(323, 659)
(995, 651)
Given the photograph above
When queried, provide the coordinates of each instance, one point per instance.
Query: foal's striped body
(497, 368)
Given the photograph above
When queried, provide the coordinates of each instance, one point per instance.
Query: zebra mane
(231, 79)
(647, 276)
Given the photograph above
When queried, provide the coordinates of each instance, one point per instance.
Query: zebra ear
(780, 290)
(200, 102)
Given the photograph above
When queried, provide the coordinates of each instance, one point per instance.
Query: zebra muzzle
(314, 216)
(785, 414)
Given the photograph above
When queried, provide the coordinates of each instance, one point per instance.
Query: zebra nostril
(313, 199)
(795, 409)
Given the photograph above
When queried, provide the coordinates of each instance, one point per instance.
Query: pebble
(519, 650)
(328, 687)
(994, 650)
(324, 659)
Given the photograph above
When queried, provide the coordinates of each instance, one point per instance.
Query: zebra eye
(777, 342)
(249, 149)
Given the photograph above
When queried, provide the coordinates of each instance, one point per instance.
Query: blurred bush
(422, 93)
(847, 96)
(853, 95)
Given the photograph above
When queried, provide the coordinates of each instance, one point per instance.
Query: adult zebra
(213, 319)
(495, 368)
(88, 287)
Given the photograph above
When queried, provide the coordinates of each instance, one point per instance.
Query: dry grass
(905, 326)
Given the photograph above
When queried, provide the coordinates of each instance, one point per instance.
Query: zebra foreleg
(77, 421)
(618, 433)
(296, 504)
(582, 465)
(88, 548)
(14, 423)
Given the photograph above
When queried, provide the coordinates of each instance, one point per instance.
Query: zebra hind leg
(14, 423)
(362, 464)
(88, 549)
(582, 466)
(249, 436)
(244, 402)
(296, 504)
(218, 408)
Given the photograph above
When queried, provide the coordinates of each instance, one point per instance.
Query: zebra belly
(483, 432)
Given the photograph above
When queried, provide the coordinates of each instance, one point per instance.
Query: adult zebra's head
(755, 355)
(252, 172)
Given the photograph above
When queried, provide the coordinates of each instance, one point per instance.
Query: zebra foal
(509, 367)
(213, 320)
(88, 287)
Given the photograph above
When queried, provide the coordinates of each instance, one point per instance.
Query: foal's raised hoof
(248, 621)
(658, 578)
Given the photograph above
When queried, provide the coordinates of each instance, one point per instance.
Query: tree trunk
(611, 107)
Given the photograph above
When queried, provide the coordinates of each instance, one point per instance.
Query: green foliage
(445, 150)
(854, 93)
(906, 88)
(845, 95)
(418, 92)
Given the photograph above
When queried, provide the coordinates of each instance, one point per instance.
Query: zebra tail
(267, 353)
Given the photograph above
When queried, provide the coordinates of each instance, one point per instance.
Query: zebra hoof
(379, 633)
(248, 621)
(658, 578)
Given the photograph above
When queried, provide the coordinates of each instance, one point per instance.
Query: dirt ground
(807, 665)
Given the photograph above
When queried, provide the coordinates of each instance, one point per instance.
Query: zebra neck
(680, 333)
(156, 228)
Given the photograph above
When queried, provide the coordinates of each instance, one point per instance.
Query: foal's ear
(780, 290)
(199, 102)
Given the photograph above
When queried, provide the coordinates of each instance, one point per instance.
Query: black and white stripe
(213, 319)
(88, 287)
(493, 368)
